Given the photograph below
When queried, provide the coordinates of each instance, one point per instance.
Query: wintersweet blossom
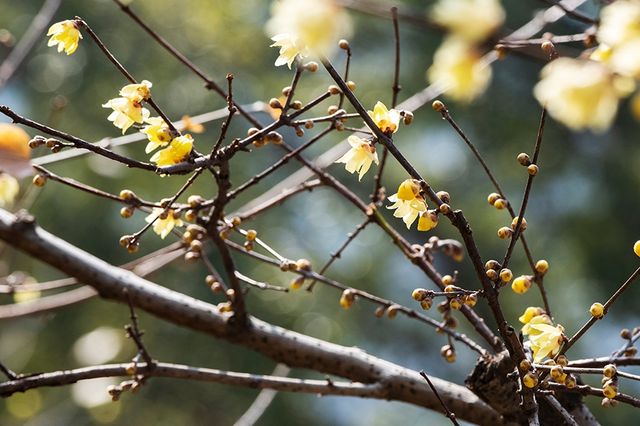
(66, 35)
(387, 120)
(176, 152)
(125, 113)
(163, 223)
(137, 92)
(459, 69)
(157, 132)
(407, 202)
(127, 109)
(625, 59)
(302, 27)
(581, 94)
(290, 48)
(473, 20)
(547, 340)
(15, 154)
(619, 22)
(359, 157)
(8, 189)
(544, 337)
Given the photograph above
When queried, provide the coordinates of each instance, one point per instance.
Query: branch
(38, 24)
(282, 345)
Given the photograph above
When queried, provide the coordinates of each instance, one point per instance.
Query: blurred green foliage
(582, 215)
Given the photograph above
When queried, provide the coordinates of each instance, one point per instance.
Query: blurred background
(582, 215)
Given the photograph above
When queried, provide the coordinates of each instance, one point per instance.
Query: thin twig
(133, 331)
(593, 319)
(11, 375)
(450, 415)
(33, 33)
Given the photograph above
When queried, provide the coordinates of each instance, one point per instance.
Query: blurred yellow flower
(625, 59)
(15, 154)
(157, 132)
(164, 222)
(9, 189)
(581, 94)
(66, 35)
(298, 25)
(407, 202)
(187, 124)
(386, 120)
(619, 22)
(459, 69)
(359, 157)
(473, 20)
(176, 152)
(125, 113)
(290, 47)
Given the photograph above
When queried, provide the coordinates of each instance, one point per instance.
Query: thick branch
(282, 345)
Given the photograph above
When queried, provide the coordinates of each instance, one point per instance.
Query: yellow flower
(290, 47)
(619, 22)
(125, 113)
(157, 132)
(66, 35)
(473, 20)
(386, 120)
(546, 341)
(162, 226)
(359, 157)
(8, 189)
(298, 25)
(176, 152)
(459, 69)
(407, 202)
(529, 313)
(428, 221)
(580, 94)
(137, 92)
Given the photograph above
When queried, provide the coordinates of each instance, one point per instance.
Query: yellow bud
(523, 224)
(470, 300)
(530, 380)
(636, 248)
(609, 371)
(556, 372)
(542, 266)
(525, 365)
(506, 275)
(493, 197)
(194, 201)
(348, 298)
(344, 44)
(438, 106)
(127, 194)
(500, 204)
(597, 310)
(311, 66)
(334, 90)
(447, 280)
(610, 391)
(407, 118)
(521, 285)
(419, 294)
(492, 264)
(251, 235)
(523, 158)
(455, 304)
(426, 303)
(303, 265)
(570, 381)
(491, 274)
(392, 311)
(351, 85)
(275, 103)
(562, 360)
(127, 211)
(504, 233)
(39, 180)
(532, 169)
